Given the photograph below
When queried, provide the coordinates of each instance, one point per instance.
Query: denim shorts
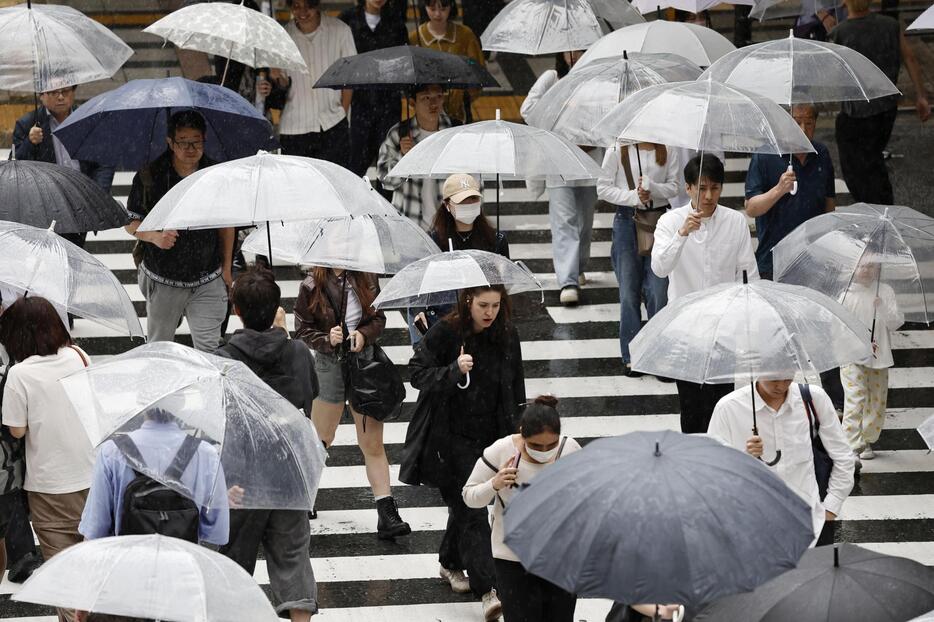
(331, 388)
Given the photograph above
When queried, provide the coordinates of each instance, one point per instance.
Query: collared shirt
(661, 180)
(62, 157)
(157, 443)
(457, 39)
(308, 109)
(787, 430)
(860, 299)
(716, 253)
(815, 185)
(407, 193)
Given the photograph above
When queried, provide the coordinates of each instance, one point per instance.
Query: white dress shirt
(860, 300)
(787, 429)
(316, 110)
(716, 253)
(661, 181)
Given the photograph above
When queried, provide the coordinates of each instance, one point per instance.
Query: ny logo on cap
(465, 184)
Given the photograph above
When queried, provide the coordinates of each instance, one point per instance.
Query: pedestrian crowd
(474, 435)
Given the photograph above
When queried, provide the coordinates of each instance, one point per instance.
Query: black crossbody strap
(564, 440)
(813, 421)
(489, 464)
(129, 449)
(182, 458)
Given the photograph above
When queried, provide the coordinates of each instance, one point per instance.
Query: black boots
(390, 524)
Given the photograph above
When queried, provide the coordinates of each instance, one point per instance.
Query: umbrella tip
(658, 452)
(497, 115)
(52, 226)
(836, 556)
(625, 55)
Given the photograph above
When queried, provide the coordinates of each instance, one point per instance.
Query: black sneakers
(390, 524)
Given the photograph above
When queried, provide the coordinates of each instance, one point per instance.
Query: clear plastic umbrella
(782, 9)
(265, 188)
(703, 115)
(925, 21)
(750, 330)
(39, 262)
(580, 99)
(48, 46)
(377, 244)
(691, 6)
(267, 446)
(826, 254)
(926, 431)
(700, 45)
(140, 577)
(793, 70)
(434, 281)
(548, 26)
(233, 31)
(501, 149)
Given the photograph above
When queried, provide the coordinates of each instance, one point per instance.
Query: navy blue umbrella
(126, 127)
(658, 517)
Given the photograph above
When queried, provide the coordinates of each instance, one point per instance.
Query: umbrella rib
(915, 263)
(849, 70)
(713, 340)
(774, 139)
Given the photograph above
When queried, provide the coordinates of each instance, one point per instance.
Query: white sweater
(662, 182)
(478, 491)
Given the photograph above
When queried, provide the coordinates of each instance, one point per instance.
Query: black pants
(860, 142)
(742, 25)
(368, 129)
(697, 404)
(19, 540)
(330, 145)
(466, 543)
(528, 598)
(827, 534)
(830, 381)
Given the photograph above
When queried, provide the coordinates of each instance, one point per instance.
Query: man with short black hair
(288, 367)
(182, 273)
(697, 246)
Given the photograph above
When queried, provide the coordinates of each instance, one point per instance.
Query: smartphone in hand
(420, 326)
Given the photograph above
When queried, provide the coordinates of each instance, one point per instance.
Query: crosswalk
(574, 354)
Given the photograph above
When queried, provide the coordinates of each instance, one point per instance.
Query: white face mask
(542, 457)
(466, 213)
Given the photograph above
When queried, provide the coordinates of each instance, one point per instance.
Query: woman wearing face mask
(513, 460)
(468, 370)
(459, 224)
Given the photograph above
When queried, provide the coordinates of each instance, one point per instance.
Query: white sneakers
(569, 296)
(456, 579)
(492, 608)
(867, 453)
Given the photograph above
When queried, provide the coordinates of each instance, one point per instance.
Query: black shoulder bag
(823, 463)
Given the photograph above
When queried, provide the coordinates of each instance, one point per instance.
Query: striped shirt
(316, 110)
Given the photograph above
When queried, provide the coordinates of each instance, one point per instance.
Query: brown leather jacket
(313, 328)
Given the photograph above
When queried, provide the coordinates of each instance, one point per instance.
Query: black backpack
(151, 507)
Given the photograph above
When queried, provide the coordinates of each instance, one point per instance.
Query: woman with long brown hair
(468, 370)
(334, 310)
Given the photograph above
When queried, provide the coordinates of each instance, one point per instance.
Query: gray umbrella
(658, 517)
(39, 193)
(842, 583)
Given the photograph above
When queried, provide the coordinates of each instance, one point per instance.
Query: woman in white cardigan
(504, 465)
(642, 180)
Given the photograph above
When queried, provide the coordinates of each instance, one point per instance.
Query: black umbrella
(39, 193)
(405, 66)
(840, 583)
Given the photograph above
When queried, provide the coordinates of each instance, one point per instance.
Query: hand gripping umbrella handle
(466, 382)
(794, 188)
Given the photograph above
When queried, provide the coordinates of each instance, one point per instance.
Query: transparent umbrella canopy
(832, 252)
(580, 99)
(700, 45)
(793, 70)
(925, 21)
(39, 262)
(139, 577)
(49, 46)
(377, 244)
(266, 445)
(233, 31)
(434, 281)
(782, 9)
(547, 26)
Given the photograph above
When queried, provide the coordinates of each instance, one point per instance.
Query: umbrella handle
(678, 615)
(466, 383)
(778, 456)
(794, 188)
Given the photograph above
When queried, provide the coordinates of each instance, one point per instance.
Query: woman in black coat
(468, 370)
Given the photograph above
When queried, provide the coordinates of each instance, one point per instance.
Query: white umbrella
(925, 21)
(781, 9)
(500, 148)
(926, 430)
(232, 31)
(48, 46)
(148, 577)
(377, 244)
(580, 99)
(690, 6)
(39, 262)
(700, 45)
(548, 26)
(264, 188)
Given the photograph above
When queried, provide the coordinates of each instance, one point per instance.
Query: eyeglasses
(60, 92)
(196, 145)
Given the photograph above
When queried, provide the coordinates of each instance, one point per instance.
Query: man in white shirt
(698, 246)
(314, 121)
(783, 425)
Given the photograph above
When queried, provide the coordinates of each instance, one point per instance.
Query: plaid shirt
(406, 193)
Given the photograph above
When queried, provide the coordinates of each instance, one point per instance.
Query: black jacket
(45, 151)
(284, 364)
(390, 32)
(432, 436)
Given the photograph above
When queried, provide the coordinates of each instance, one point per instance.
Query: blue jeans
(570, 211)
(636, 280)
